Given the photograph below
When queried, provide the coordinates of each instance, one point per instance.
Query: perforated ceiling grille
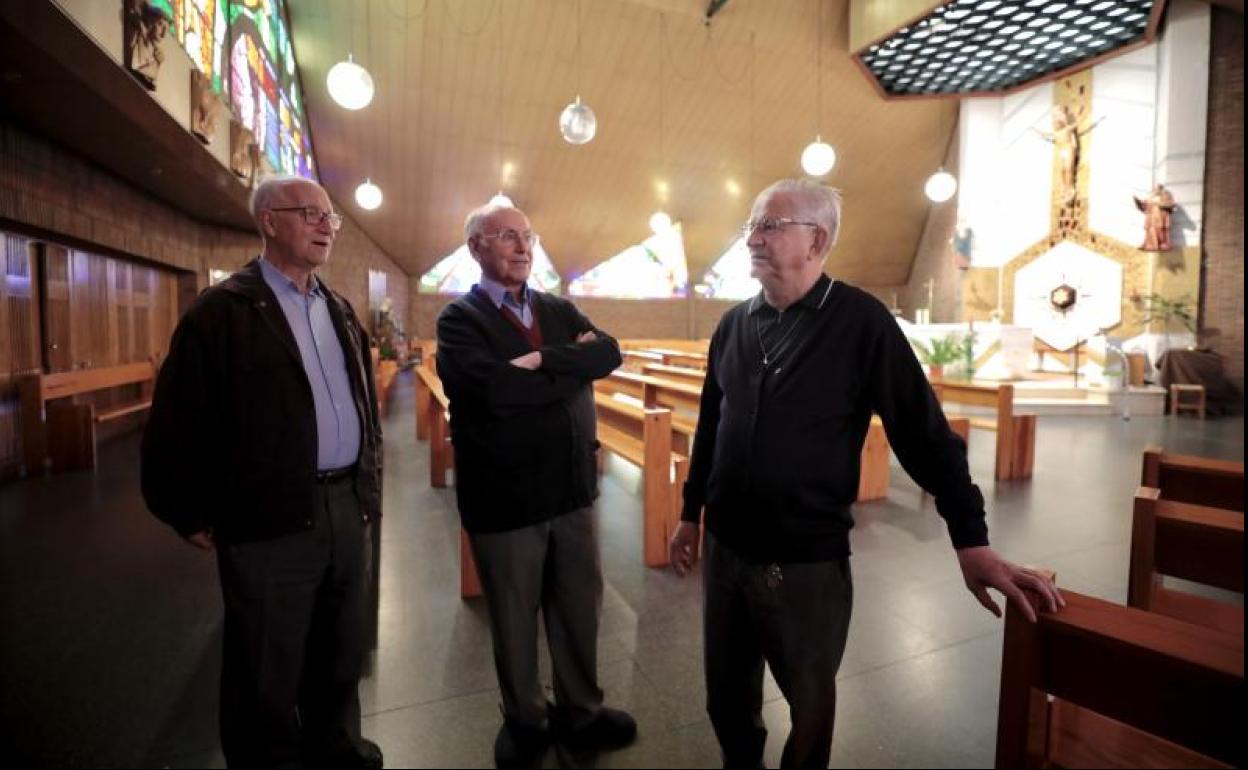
(993, 45)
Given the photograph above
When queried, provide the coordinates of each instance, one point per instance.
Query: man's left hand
(586, 336)
(983, 568)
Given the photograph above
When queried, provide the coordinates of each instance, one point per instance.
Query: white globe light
(368, 195)
(501, 200)
(350, 84)
(577, 123)
(940, 187)
(660, 222)
(818, 158)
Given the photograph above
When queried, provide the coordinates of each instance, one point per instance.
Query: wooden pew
(689, 360)
(1096, 684)
(678, 373)
(1016, 433)
(635, 360)
(644, 437)
(384, 376)
(431, 398)
(1190, 479)
(684, 346)
(1191, 542)
(66, 431)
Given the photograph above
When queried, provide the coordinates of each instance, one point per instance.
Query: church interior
(1047, 195)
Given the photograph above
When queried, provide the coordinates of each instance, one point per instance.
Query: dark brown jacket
(231, 440)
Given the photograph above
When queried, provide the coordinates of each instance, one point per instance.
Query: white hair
(822, 204)
(474, 223)
(268, 189)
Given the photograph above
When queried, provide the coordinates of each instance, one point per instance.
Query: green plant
(1166, 311)
(941, 351)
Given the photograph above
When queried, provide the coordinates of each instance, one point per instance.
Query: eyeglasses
(513, 237)
(313, 215)
(770, 226)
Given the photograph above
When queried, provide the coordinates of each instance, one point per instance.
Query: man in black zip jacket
(518, 365)
(793, 376)
(263, 445)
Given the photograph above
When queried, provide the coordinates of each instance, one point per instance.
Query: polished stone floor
(112, 627)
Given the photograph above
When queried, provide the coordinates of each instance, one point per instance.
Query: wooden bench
(1096, 684)
(683, 346)
(383, 375)
(1191, 542)
(635, 360)
(677, 373)
(689, 360)
(52, 425)
(1016, 433)
(1190, 479)
(643, 436)
(431, 399)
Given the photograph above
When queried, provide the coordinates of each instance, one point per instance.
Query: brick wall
(48, 188)
(1222, 301)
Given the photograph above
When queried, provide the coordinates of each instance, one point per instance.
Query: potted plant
(1166, 312)
(939, 353)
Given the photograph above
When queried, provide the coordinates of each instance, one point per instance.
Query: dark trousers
(296, 637)
(553, 566)
(795, 617)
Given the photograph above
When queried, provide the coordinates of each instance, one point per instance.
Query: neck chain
(783, 344)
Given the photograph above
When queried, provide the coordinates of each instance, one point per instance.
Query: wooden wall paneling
(54, 322)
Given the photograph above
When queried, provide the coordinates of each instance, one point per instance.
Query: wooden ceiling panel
(466, 88)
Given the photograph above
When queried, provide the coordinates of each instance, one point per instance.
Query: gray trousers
(796, 618)
(296, 636)
(554, 567)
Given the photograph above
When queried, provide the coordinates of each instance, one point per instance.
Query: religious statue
(145, 26)
(205, 107)
(244, 155)
(962, 245)
(1156, 207)
(1066, 138)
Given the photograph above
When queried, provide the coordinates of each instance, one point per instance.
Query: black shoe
(609, 729)
(360, 754)
(519, 745)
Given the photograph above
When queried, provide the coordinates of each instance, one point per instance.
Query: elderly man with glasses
(263, 445)
(793, 377)
(518, 366)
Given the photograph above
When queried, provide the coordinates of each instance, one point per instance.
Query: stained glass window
(201, 29)
(729, 277)
(654, 268)
(264, 84)
(458, 271)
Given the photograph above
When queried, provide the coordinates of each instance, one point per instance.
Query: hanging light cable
(818, 158)
(659, 220)
(577, 122)
(942, 185)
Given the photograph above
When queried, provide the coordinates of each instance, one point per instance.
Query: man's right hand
(684, 547)
(203, 540)
(531, 361)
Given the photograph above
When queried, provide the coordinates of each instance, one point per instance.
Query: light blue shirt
(337, 421)
(502, 298)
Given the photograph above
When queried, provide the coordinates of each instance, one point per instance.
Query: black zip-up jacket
(231, 442)
(524, 440)
(777, 452)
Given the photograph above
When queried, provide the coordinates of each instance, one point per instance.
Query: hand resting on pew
(983, 568)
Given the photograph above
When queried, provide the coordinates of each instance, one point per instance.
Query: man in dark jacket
(793, 377)
(263, 445)
(517, 366)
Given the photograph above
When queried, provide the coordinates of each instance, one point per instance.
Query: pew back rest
(1178, 681)
(1191, 479)
(64, 384)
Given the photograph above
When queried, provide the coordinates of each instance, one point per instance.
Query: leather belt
(335, 475)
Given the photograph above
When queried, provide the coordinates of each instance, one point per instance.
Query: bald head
(296, 220)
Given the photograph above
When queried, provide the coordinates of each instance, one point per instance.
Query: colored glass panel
(654, 268)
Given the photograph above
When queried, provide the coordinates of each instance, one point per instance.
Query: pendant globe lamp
(818, 158)
(577, 123)
(368, 195)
